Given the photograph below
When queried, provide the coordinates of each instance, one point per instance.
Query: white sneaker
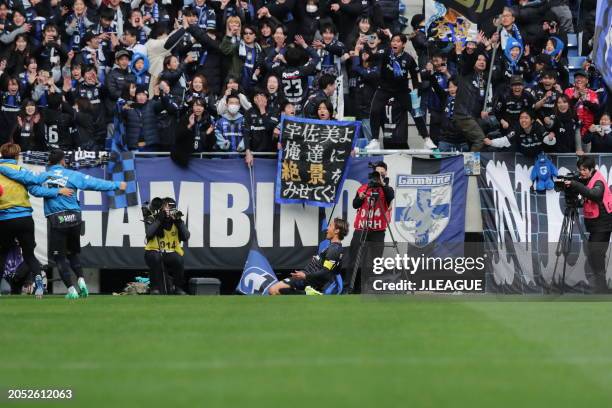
(429, 144)
(373, 145)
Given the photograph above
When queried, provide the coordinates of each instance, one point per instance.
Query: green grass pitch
(343, 351)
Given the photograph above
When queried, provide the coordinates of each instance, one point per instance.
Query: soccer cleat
(373, 145)
(312, 292)
(82, 287)
(45, 281)
(429, 144)
(39, 288)
(72, 293)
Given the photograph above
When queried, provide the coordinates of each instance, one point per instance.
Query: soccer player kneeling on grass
(165, 230)
(321, 270)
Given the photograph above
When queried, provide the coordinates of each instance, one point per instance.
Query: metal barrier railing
(410, 152)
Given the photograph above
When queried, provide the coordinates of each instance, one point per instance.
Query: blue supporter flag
(258, 275)
(121, 167)
(602, 40)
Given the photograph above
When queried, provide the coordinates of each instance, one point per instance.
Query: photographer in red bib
(373, 203)
(597, 210)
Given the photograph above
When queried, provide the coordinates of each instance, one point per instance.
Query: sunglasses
(249, 33)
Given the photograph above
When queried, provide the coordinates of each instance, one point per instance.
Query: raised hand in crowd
(299, 40)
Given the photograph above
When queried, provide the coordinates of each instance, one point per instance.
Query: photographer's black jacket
(388, 192)
(154, 227)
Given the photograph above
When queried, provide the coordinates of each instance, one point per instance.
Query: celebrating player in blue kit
(64, 214)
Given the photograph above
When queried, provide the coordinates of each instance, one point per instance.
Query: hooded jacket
(142, 76)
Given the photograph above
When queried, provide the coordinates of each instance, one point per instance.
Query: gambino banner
(522, 228)
(215, 196)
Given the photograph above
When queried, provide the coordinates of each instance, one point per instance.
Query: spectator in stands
(232, 86)
(599, 137)
(528, 138)
(554, 49)
(199, 89)
(437, 74)
(85, 120)
(117, 79)
(529, 15)
(294, 73)
(450, 139)
(58, 125)
(366, 81)
(564, 128)
(11, 105)
(325, 111)
(173, 74)
(546, 94)
(229, 130)
(470, 100)
(397, 70)
(513, 63)
(327, 89)
(20, 52)
(560, 8)
(139, 67)
(509, 28)
(29, 133)
(92, 50)
(195, 134)
(418, 38)
(91, 90)
(275, 94)
(140, 118)
(246, 57)
(584, 100)
(511, 103)
(259, 125)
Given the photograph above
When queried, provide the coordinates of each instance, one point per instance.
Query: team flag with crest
(257, 276)
(430, 198)
(602, 40)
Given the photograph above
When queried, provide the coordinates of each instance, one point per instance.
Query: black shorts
(64, 241)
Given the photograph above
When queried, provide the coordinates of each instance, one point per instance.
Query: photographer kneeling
(372, 202)
(165, 230)
(597, 209)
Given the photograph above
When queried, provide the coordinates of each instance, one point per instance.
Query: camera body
(572, 199)
(375, 179)
(155, 209)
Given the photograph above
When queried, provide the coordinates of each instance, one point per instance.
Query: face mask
(233, 109)
(311, 8)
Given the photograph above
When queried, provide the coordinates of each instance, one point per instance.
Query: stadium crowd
(215, 75)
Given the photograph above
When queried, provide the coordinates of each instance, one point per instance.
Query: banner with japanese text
(314, 159)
